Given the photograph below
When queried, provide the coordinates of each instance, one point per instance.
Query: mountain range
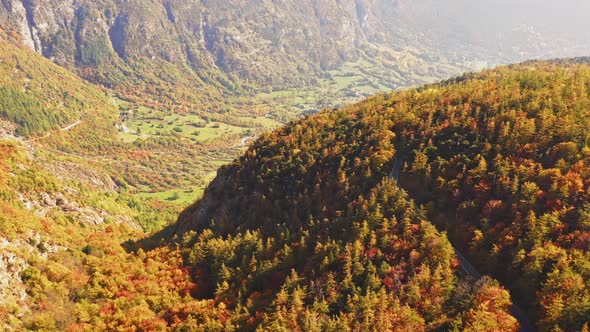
(196, 165)
(231, 45)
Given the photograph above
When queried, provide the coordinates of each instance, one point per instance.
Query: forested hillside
(69, 209)
(62, 265)
(38, 96)
(496, 159)
(66, 210)
(307, 230)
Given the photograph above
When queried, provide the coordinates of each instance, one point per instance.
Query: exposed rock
(72, 171)
(272, 42)
(20, 19)
(13, 261)
(12, 291)
(267, 42)
(7, 129)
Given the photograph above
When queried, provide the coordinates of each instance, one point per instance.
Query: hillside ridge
(497, 159)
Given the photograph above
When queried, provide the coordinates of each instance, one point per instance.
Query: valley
(325, 165)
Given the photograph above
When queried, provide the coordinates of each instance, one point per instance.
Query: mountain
(265, 41)
(166, 50)
(60, 113)
(308, 229)
(114, 113)
(188, 43)
(498, 160)
(38, 96)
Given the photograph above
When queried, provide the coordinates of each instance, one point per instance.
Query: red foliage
(389, 283)
(123, 293)
(582, 241)
(108, 309)
(372, 252)
(553, 204)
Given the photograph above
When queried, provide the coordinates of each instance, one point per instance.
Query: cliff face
(264, 41)
(229, 44)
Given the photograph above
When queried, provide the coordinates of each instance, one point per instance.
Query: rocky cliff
(226, 46)
(264, 41)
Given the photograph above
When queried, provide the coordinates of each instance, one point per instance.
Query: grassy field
(350, 83)
(193, 127)
(184, 175)
(182, 196)
(186, 195)
(142, 123)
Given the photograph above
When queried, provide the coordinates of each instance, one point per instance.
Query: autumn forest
(238, 165)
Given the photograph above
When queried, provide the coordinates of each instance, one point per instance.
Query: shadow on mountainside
(163, 237)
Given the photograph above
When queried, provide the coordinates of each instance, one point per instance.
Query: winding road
(466, 267)
(71, 126)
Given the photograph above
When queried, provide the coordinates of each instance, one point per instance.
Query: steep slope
(377, 265)
(499, 160)
(38, 96)
(185, 52)
(267, 42)
(69, 121)
(64, 215)
(62, 266)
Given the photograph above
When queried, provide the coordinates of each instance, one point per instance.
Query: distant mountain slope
(499, 158)
(183, 52)
(267, 42)
(47, 107)
(38, 96)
